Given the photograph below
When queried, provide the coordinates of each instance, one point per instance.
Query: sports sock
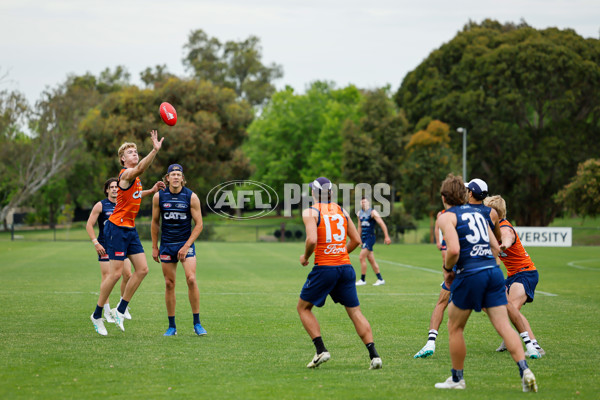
(379, 276)
(432, 335)
(318, 341)
(457, 375)
(98, 312)
(535, 344)
(363, 278)
(196, 318)
(372, 351)
(527, 341)
(522, 367)
(122, 306)
(107, 307)
(172, 322)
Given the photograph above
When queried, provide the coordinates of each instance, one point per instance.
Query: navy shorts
(529, 280)
(368, 242)
(103, 258)
(443, 285)
(443, 247)
(168, 252)
(482, 289)
(339, 282)
(121, 242)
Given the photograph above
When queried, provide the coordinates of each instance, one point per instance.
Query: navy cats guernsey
(176, 225)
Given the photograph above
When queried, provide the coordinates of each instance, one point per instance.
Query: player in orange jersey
(521, 281)
(122, 237)
(327, 228)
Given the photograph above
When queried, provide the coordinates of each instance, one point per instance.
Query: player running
(521, 281)
(122, 237)
(476, 281)
(367, 217)
(173, 210)
(327, 228)
(100, 213)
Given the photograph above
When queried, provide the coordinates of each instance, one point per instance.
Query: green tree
(582, 194)
(530, 100)
(428, 161)
(211, 126)
(298, 137)
(236, 65)
(373, 147)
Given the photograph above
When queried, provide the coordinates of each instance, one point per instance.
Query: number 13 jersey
(332, 229)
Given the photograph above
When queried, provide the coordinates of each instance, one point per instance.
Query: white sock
(432, 335)
(526, 340)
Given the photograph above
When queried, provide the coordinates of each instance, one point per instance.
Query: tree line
(528, 98)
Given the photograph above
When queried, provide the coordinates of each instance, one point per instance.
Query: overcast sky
(369, 43)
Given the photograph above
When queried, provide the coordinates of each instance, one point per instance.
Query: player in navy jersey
(477, 191)
(173, 209)
(367, 217)
(100, 213)
(475, 282)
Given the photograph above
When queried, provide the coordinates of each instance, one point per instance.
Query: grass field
(256, 347)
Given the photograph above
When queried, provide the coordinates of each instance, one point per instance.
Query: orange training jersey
(515, 258)
(128, 204)
(332, 230)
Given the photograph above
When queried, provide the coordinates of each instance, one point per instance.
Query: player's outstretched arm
(130, 174)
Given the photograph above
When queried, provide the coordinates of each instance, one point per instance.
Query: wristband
(446, 269)
(95, 241)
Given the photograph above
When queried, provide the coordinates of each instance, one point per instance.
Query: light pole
(464, 132)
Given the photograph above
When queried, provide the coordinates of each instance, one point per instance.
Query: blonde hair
(498, 204)
(122, 149)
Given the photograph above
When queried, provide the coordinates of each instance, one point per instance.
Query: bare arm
(89, 227)
(436, 232)
(353, 235)
(447, 223)
(496, 220)
(308, 216)
(154, 227)
(359, 225)
(383, 226)
(494, 245)
(159, 185)
(197, 217)
(129, 175)
(508, 238)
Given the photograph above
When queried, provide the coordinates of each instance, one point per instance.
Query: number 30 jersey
(474, 238)
(332, 229)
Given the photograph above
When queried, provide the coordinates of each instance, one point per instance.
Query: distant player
(328, 227)
(367, 217)
(100, 213)
(173, 210)
(476, 281)
(521, 281)
(122, 237)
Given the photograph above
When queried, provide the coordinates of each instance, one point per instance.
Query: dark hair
(107, 185)
(454, 191)
(322, 196)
